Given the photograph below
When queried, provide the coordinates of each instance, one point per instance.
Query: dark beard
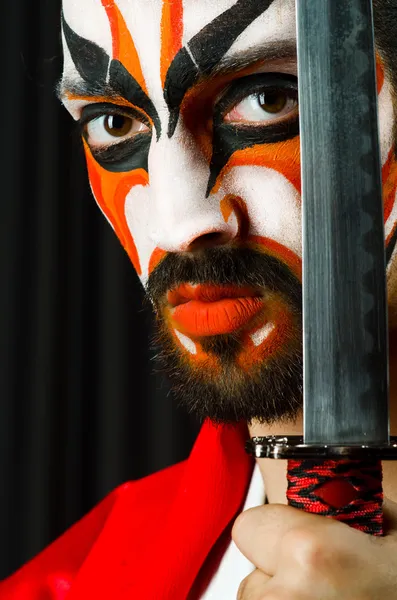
(268, 393)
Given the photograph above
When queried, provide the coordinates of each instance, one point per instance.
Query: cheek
(137, 212)
(273, 204)
(111, 191)
(267, 177)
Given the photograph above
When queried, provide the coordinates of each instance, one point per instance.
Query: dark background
(79, 398)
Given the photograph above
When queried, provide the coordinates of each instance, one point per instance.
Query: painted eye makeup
(118, 136)
(110, 129)
(262, 107)
(254, 110)
(103, 124)
(259, 100)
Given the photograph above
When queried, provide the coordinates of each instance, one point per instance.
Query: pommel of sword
(335, 469)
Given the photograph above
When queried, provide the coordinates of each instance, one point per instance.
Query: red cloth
(147, 539)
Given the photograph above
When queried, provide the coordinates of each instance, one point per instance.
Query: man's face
(189, 113)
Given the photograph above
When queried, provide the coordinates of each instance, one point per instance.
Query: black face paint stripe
(122, 156)
(127, 156)
(99, 109)
(391, 245)
(181, 76)
(123, 82)
(228, 139)
(205, 50)
(213, 41)
(90, 60)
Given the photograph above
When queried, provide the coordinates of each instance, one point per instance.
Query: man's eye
(262, 107)
(110, 129)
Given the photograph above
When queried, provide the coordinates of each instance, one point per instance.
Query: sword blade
(344, 297)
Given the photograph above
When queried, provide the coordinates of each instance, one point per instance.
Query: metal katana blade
(345, 319)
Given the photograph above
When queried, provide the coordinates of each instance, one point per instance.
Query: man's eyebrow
(189, 68)
(84, 89)
(125, 92)
(266, 53)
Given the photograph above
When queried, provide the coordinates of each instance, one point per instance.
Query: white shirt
(234, 567)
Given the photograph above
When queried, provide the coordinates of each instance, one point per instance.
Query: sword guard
(342, 482)
(293, 446)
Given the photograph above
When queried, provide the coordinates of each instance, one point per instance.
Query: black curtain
(81, 409)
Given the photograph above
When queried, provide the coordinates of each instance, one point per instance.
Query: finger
(261, 533)
(253, 586)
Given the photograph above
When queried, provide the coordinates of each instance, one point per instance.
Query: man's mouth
(206, 310)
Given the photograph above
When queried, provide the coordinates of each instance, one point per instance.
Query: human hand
(300, 556)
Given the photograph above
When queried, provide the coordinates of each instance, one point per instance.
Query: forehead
(237, 25)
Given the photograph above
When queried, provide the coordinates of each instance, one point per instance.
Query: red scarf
(148, 539)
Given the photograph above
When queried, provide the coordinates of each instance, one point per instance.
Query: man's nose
(184, 218)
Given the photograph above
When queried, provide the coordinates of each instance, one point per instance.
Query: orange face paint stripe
(389, 237)
(389, 180)
(112, 16)
(123, 45)
(124, 186)
(283, 157)
(96, 184)
(234, 204)
(380, 74)
(226, 205)
(157, 256)
(117, 100)
(171, 34)
(273, 248)
(252, 355)
(115, 187)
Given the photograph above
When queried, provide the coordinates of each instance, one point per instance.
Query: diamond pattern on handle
(337, 493)
(347, 490)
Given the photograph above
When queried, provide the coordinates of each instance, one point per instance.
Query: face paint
(189, 112)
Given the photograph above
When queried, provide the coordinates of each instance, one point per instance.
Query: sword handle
(347, 490)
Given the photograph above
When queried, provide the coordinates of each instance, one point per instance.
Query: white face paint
(160, 203)
(259, 336)
(186, 342)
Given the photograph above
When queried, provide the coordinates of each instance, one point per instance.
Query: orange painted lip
(205, 310)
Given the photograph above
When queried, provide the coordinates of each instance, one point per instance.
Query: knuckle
(307, 547)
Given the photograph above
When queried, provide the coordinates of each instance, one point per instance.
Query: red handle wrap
(347, 490)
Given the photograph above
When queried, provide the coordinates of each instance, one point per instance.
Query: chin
(229, 378)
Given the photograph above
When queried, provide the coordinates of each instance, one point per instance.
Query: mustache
(224, 266)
